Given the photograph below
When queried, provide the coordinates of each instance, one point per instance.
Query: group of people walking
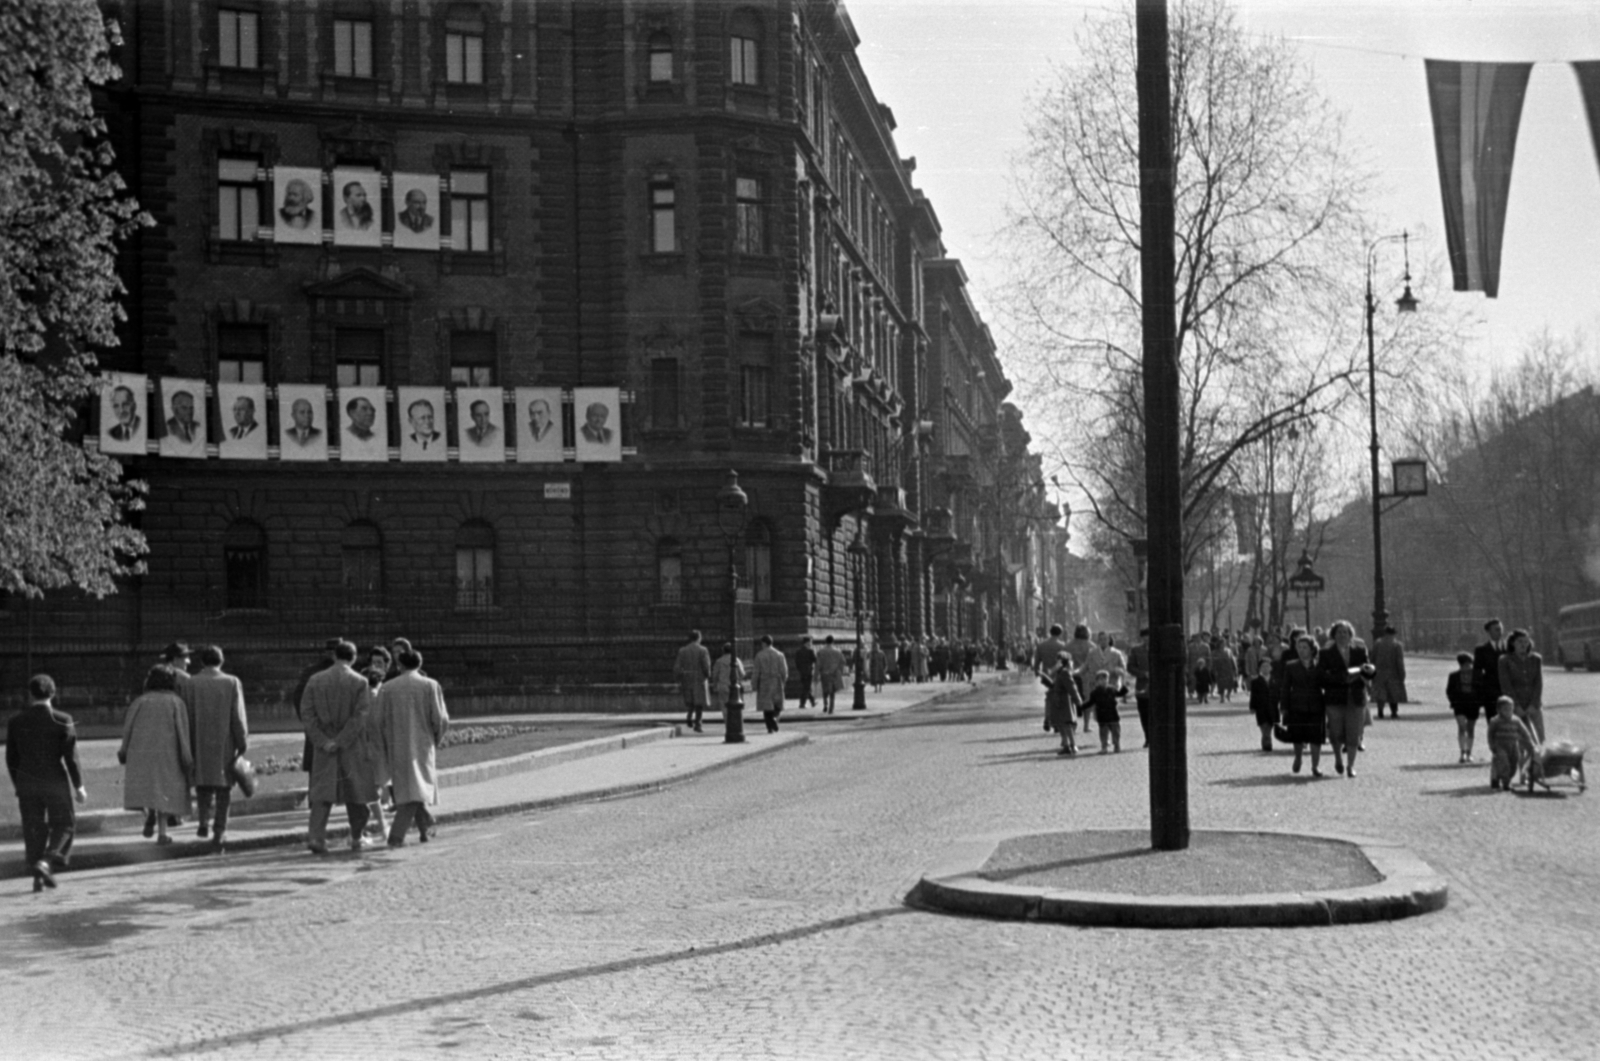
(369, 733)
(1087, 681)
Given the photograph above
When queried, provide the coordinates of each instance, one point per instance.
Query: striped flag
(1476, 108)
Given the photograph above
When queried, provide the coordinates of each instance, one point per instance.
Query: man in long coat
(769, 675)
(830, 668)
(805, 662)
(220, 734)
(1389, 678)
(308, 754)
(333, 709)
(412, 720)
(693, 670)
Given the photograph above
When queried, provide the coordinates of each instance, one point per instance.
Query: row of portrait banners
(307, 203)
(356, 427)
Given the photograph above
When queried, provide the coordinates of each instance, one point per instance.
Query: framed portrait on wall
(183, 409)
(596, 412)
(416, 211)
(123, 428)
(357, 208)
(480, 424)
(244, 421)
(422, 424)
(302, 422)
(296, 204)
(538, 424)
(363, 424)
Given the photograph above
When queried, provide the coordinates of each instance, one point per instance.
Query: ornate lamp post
(731, 505)
(1307, 583)
(858, 557)
(1406, 303)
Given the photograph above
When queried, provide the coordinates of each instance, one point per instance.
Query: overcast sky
(955, 73)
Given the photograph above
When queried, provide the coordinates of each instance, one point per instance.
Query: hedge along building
(693, 211)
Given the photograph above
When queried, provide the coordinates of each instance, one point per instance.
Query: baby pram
(1550, 761)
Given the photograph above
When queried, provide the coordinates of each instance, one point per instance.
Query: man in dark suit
(1486, 665)
(42, 758)
(181, 424)
(1343, 671)
(244, 418)
(126, 409)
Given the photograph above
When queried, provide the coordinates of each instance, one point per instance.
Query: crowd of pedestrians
(371, 737)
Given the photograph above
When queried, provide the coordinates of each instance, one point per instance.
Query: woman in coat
(1062, 703)
(725, 664)
(1344, 670)
(1300, 699)
(1522, 679)
(1224, 669)
(155, 749)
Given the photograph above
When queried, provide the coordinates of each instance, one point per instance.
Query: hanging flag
(1476, 108)
(1246, 523)
(1589, 88)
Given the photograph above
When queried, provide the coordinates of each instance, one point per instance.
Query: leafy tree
(62, 210)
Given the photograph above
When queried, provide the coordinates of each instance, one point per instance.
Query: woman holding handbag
(155, 750)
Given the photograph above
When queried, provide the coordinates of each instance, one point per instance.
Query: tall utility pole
(1169, 766)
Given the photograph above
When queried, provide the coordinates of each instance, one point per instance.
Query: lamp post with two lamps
(732, 503)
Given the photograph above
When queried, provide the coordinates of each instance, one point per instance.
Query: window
(663, 215)
(463, 46)
(358, 357)
(758, 560)
(244, 558)
(238, 200)
(469, 210)
(361, 549)
(744, 49)
(472, 359)
(660, 58)
(237, 32)
(669, 571)
(750, 230)
(352, 48)
(241, 353)
(755, 396)
(475, 565)
(664, 393)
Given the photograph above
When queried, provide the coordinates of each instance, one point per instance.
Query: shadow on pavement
(1266, 780)
(1065, 863)
(1413, 767)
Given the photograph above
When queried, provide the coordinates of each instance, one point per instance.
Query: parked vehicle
(1578, 636)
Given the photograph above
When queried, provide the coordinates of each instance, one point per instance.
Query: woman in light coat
(1522, 679)
(722, 667)
(155, 749)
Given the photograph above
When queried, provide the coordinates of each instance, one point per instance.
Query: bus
(1578, 636)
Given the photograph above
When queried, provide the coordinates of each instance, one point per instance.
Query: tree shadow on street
(1266, 780)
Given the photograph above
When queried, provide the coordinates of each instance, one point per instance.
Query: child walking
(1463, 700)
(1062, 703)
(1261, 704)
(1505, 741)
(1104, 701)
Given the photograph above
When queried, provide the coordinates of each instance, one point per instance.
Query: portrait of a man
(302, 422)
(364, 431)
(244, 418)
(594, 424)
(538, 424)
(420, 415)
(355, 219)
(126, 409)
(416, 226)
(305, 430)
(243, 408)
(363, 415)
(482, 432)
(298, 211)
(181, 424)
(598, 437)
(356, 212)
(297, 191)
(422, 438)
(415, 216)
(185, 434)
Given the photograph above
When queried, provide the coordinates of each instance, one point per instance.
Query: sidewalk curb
(141, 854)
(1409, 887)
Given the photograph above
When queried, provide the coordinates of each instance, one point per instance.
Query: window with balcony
(463, 46)
(352, 47)
(475, 565)
(238, 199)
(750, 222)
(237, 35)
(663, 215)
(469, 210)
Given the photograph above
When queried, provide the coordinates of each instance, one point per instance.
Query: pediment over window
(758, 315)
(359, 283)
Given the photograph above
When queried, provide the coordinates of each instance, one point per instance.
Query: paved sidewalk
(642, 761)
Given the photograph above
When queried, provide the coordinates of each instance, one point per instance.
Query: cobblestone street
(757, 913)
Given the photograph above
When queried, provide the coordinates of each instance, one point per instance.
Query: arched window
(244, 558)
(361, 548)
(669, 571)
(660, 57)
(475, 565)
(758, 560)
(744, 49)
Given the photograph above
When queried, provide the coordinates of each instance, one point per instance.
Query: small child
(1463, 702)
(1505, 741)
(1104, 701)
(1261, 704)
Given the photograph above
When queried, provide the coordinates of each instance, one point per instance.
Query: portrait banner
(122, 413)
(480, 424)
(359, 195)
(302, 422)
(244, 421)
(422, 424)
(183, 409)
(597, 413)
(296, 205)
(363, 424)
(416, 211)
(538, 425)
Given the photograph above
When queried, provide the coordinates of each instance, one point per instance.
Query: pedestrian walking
(1225, 669)
(220, 733)
(1202, 676)
(805, 665)
(769, 673)
(1343, 671)
(919, 660)
(830, 671)
(693, 669)
(412, 723)
(1046, 655)
(1505, 745)
(1139, 670)
(308, 751)
(877, 666)
(1062, 703)
(1522, 679)
(1463, 699)
(903, 660)
(1261, 703)
(177, 656)
(1388, 673)
(336, 701)
(1305, 717)
(1486, 666)
(727, 680)
(1103, 702)
(42, 759)
(1093, 662)
(380, 664)
(157, 753)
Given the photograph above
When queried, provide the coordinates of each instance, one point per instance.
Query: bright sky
(955, 73)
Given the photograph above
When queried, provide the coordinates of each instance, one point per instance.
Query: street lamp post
(858, 554)
(731, 505)
(1406, 303)
(1307, 583)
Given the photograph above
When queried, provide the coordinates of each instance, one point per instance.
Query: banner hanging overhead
(1476, 109)
(1589, 88)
